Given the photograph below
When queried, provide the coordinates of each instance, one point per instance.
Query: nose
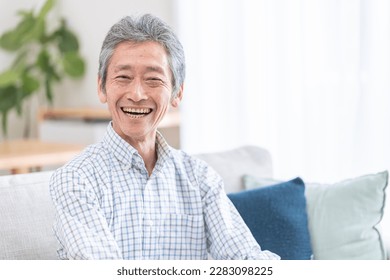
(136, 92)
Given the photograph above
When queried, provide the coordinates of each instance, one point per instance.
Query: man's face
(138, 89)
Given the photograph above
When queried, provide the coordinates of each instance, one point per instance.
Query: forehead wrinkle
(118, 68)
(157, 69)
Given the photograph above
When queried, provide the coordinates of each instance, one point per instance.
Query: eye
(122, 77)
(154, 81)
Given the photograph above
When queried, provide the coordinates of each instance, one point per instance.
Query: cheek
(111, 102)
(112, 95)
(161, 98)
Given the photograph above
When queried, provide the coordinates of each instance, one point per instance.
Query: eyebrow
(157, 69)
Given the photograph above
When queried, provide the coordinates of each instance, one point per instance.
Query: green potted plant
(43, 56)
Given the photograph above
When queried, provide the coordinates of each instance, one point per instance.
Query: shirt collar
(127, 154)
(164, 151)
(122, 150)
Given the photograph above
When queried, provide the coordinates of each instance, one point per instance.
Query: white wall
(91, 20)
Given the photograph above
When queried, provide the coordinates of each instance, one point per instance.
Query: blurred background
(307, 80)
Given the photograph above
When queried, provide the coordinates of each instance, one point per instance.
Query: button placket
(148, 214)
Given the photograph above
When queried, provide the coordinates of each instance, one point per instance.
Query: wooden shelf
(75, 113)
(19, 156)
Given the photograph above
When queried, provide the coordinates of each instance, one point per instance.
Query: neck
(149, 155)
(147, 150)
(144, 144)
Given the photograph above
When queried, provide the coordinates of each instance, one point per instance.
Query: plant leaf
(73, 64)
(7, 97)
(9, 41)
(67, 40)
(43, 60)
(8, 77)
(29, 84)
(24, 32)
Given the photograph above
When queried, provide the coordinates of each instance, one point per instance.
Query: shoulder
(82, 170)
(197, 170)
(188, 162)
(93, 157)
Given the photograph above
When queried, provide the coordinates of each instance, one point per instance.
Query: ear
(101, 93)
(176, 101)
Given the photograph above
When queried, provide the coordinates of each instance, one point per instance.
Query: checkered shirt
(108, 207)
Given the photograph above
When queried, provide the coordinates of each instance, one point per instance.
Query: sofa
(304, 220)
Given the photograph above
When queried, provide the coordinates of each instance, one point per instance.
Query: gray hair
(142, 29)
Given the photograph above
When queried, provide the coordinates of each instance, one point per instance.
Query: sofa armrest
(26, 217)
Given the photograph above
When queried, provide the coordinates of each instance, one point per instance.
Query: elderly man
(132, 196)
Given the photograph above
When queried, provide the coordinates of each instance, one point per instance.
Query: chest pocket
(182, 237)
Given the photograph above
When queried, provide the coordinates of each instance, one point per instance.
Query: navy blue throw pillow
(277, 218)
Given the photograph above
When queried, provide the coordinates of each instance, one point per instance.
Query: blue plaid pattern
(107, 207)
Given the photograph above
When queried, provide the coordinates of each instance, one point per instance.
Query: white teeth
(137, 110)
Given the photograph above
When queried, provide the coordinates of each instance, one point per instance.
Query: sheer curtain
(308, 80)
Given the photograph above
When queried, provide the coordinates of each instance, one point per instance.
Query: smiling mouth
(136, 112)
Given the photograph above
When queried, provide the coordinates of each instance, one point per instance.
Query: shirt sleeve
(80, 227)
(228, 237)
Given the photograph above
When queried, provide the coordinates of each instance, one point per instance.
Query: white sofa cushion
(26, 217)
